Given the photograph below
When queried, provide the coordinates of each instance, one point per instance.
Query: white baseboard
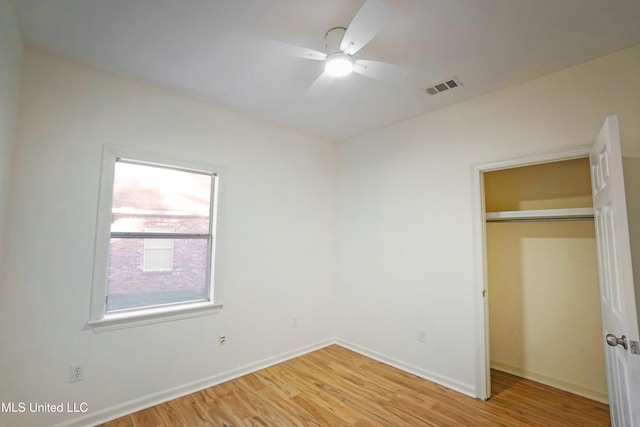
(455, 385)
(552, 382)
(153, 399)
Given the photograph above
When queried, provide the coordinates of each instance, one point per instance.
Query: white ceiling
(210, 49)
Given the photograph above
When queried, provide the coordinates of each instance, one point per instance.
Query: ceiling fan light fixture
(338, 64)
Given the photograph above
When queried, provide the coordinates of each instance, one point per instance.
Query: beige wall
(544, 301)
(544, 304)
(555, 185)
(631, 166)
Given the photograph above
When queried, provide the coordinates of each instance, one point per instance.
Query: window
(155, 240)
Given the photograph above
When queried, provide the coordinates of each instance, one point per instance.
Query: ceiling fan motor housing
(333, 39)
(338, 63)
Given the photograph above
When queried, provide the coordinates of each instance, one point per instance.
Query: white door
(619, 317)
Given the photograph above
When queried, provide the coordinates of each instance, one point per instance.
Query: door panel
(616, 278)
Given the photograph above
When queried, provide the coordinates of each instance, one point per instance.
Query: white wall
(406, 203)
(10, 64)
(276, 254)
(404, 221)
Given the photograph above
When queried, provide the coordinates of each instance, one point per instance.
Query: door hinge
(634, 347)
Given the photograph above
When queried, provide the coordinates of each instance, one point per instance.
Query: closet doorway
(484, 320)
(545, 321)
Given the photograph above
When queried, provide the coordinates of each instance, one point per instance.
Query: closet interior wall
(631, 168)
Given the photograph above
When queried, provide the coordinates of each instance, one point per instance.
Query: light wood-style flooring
(334, 386)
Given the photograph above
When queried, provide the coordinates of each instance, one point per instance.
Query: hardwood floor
(337, 387)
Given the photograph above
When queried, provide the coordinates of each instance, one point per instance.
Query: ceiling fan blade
(293, 50)
(365, 25)
(380, 70)
(320, 86)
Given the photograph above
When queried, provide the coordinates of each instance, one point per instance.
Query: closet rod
(549, 219)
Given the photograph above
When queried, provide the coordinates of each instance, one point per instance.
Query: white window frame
(99, 319)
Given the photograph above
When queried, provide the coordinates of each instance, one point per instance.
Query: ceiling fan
(341, 46)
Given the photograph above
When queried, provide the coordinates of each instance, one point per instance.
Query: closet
(545, 321)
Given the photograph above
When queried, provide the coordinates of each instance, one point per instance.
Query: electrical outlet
(422, 335)
(76, 372)
(222, 339)
(294, 322)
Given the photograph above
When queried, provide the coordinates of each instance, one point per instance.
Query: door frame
(483, 360)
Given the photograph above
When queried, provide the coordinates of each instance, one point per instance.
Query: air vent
(442, 86)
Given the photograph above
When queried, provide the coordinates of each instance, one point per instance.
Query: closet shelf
(572, 214)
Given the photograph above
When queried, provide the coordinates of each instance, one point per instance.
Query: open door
(619, 316)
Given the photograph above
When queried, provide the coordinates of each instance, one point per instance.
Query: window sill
(150, 316)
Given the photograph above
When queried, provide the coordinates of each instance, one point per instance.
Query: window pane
(129, 286)
(149, 196)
